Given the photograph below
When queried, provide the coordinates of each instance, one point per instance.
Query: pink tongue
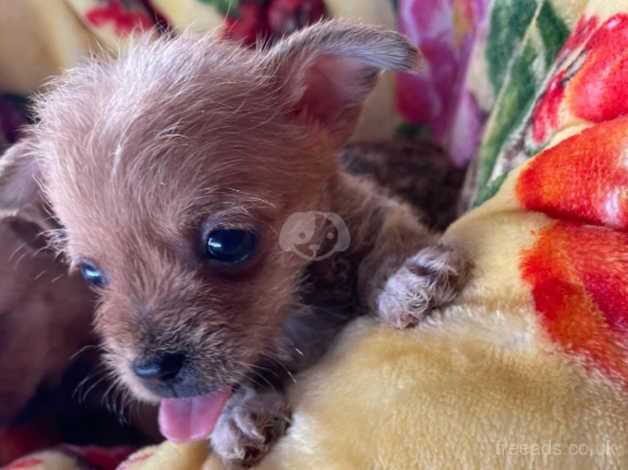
(190, 419)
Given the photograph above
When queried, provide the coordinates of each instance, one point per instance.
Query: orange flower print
(578, 267)
(584, 178)
(578, 275)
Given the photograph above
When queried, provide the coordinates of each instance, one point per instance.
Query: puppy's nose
(161, 368)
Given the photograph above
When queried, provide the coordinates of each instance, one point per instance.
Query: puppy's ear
(18, 177)
(21, 205)
(327, 70)
(30, 232)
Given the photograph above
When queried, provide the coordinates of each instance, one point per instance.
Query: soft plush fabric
(73, 458)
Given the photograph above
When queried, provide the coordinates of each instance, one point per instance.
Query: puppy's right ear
(326, 71)
(21, 205)
(18, 177)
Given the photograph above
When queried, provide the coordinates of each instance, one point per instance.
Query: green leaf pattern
(519, 61)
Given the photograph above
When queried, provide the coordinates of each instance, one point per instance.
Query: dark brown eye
(231, 246)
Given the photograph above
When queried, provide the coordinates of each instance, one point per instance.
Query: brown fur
(45, 318)
(416, 171)
(143, 155)
(45, 314)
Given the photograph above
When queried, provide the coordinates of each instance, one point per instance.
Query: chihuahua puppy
(198, 189)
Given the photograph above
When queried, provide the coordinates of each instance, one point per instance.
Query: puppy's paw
(429, 279)
(249, 426)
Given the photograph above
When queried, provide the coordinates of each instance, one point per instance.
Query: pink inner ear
(333, 86)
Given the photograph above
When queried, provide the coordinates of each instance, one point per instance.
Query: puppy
(200, 195)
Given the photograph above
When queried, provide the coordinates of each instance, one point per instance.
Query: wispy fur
(44, 319)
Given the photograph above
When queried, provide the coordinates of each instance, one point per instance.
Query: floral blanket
(504, 81)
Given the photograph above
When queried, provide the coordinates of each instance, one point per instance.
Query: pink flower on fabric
(444, 31)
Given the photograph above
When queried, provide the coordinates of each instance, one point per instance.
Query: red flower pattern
(545, 116)
(262, 20)
(598, 92)
(286, 16)
(249, 24)
(578, 36)
(125, 20)
(593, 84)
(578, 265)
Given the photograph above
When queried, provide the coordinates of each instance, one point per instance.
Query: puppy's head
(173, 170)
(45, 315)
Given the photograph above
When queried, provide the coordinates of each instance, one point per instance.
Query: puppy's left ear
(326, 71)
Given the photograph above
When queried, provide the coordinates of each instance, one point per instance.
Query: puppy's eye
(231, 246)
(92, 274)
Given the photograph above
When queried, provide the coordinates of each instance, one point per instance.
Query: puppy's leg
(249, 425)
(259, 414)
(430, 278)
(405, 271)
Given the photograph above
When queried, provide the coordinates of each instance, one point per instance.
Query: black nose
(161, 368)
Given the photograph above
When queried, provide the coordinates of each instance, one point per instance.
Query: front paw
(429, 279)
(248, 427)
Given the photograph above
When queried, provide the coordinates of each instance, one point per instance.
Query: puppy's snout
(159, 369)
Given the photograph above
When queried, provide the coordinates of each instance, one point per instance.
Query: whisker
(20, 247)
(40, 275)
(280, 364)
(82, 397)
(87, 347)
(17, 261)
